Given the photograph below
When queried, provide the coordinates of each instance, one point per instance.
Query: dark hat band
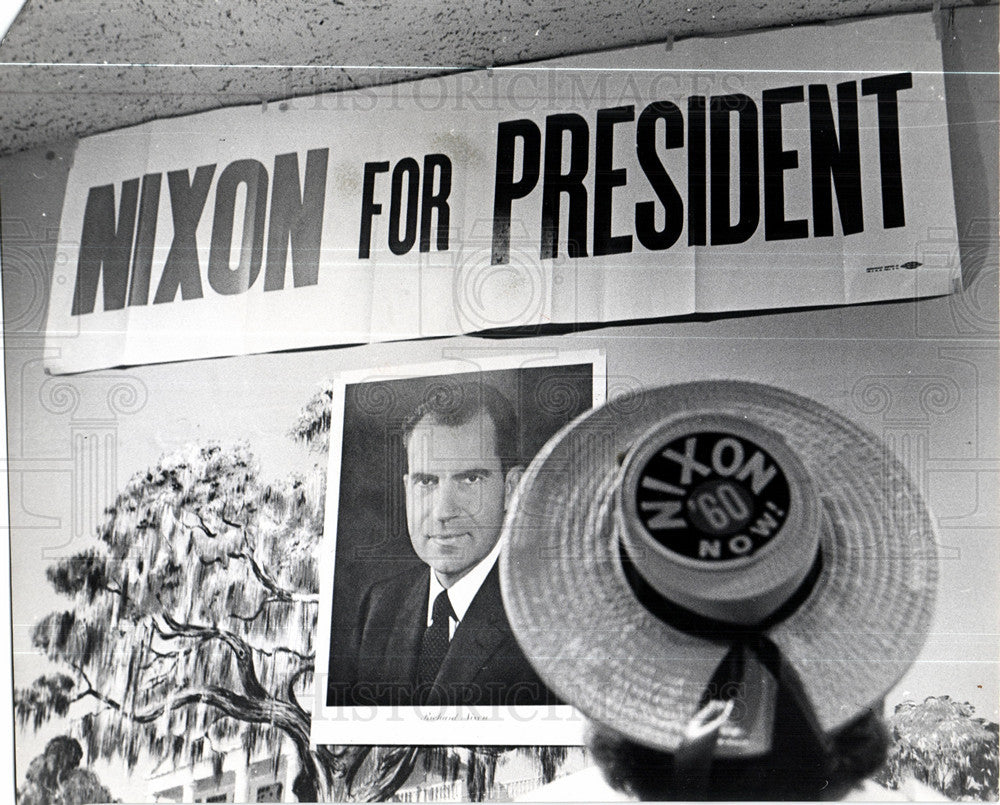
(730, 677)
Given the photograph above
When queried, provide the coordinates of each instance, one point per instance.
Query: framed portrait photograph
(425, 461)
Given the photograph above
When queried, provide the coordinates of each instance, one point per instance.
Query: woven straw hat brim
(598, 648)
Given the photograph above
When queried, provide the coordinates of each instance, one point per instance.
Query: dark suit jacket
(483, 666)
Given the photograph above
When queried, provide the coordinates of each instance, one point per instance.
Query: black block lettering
(697, 176)
(105, 244)
(776, 162)
(296, 219)
(506, 190)
(723, 232)
(645, 147)
(368, 206)
(556, 183)
(435, 202)
(606, 178)
(402, 240)
(836, 159)
(181, 269)
(885, 88)
(145, 240)
(223, 278)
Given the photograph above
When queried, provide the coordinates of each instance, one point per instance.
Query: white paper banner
(694, 179)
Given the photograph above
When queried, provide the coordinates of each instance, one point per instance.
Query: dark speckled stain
(52, 102)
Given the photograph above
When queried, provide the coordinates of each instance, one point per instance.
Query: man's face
(455, 494)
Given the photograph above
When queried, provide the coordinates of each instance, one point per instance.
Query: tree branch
(285, 650)
(265, 578)
(91, 690)
(235, 705)
(290, 686)
(272, 586)
(202, 526)
(163, 655)
(285, 716)
(154, 664)
(174, 630)
(228, 701)
(260, 609)
(278, 593)
(233, 524)
(241, 651)
(128, 605)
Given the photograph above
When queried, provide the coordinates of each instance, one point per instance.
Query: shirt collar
(461, 593)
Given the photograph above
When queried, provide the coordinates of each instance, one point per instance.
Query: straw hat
(652, 537)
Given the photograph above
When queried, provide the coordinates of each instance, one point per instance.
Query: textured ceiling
(69, 68)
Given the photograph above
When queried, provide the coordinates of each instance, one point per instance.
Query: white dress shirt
(461, 593)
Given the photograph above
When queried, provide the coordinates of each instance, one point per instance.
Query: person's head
(794, 771)
(461, 473)
(732, 583)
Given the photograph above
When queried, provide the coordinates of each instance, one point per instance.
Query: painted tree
(55, 777)
(312, 427)
(940, 742)
(192, 623)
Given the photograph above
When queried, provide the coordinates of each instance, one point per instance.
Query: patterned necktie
(434, 644)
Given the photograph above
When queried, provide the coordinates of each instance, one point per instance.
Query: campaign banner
(779, 169)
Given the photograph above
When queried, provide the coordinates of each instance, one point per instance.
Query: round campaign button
(712, 496)
(718, 514)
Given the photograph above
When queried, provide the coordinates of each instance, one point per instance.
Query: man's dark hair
(793, 773)
(453, 403)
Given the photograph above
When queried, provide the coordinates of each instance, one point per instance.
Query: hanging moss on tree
(940, 742)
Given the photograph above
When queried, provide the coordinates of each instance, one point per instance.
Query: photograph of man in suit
(438, 634)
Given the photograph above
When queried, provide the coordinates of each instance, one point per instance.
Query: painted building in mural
(227, 778)
(230, 778)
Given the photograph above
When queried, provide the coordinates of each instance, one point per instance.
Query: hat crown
(718, 515)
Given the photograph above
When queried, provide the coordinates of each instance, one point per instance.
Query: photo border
(430, 725)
